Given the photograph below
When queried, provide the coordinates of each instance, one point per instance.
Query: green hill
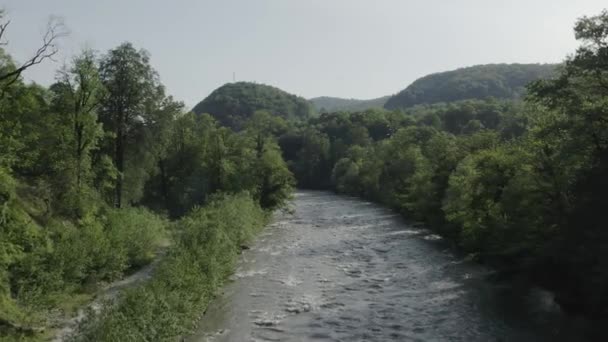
(502, 81)
(336, 104)
(233, 103)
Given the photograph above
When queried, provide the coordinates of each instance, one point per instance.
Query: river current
(341, 269)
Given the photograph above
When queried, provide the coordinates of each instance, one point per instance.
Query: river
(342, 269)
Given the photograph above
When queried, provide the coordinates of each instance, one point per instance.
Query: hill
(233, 103)
(502, 81)
(336, 104)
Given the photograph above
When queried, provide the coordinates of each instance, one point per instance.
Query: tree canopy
(234, 103)
(93, 167)
(517, 183)
(501, 81)
(326, 104)
(509, 162)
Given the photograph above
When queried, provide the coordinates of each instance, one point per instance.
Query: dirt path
(110, 292)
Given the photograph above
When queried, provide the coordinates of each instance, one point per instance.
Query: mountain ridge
(233, 104)
(501, 81)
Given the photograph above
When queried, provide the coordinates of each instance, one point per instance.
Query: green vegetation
(59, 238)
(102, 169)
(518, 185)
(234, 103)
(92, 170)
(327, 104)
(501, 81)
(187, 279)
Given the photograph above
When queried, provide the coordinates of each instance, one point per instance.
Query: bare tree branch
(55, 31)
(3, 27)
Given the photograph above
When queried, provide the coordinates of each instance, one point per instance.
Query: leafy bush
(136, 232)
(41, 269)
(209, 239)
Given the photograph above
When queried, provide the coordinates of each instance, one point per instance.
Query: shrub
(137, 232)
(183, 284)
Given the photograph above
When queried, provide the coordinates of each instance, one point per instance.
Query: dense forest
(517, 185)
(103, 171)
(481, 82)
(501, 81)
(234, 103)
(325, 104)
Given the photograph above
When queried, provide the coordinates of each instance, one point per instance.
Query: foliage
(573, 158)
(132, 86)
(234, 103)
(186, 280)
(91, 166)
(501, 81)
(203, 159)
(325, 104)
(515, 184)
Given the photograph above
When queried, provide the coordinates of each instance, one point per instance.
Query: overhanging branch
(55, 30)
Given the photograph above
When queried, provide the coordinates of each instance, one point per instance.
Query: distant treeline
(498, 81)
(102, 169)
(517, 184)
(327, 104)
(507, 160)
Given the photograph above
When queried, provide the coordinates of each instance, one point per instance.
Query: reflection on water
(341, 269)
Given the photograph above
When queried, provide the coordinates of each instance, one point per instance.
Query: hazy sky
(345, 48)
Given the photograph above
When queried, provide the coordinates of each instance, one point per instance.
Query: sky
(345, 48)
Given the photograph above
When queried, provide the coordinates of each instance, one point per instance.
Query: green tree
(131, 84)
(76, 132)
(573, 155)
(312, 167)
(274, 180)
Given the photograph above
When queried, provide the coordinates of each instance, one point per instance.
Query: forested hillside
(103, 171)
(501, 81)
(327, 104)
(94, 171)
(234, 103)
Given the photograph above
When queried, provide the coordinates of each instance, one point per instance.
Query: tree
(313, 168)
(263, 126)
(74, 132)
(160, 128)
(78, 95)
(23, 118)
(572, 140)
(273, 179)
(130, 82)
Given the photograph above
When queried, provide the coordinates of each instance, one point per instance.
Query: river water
(342, 269)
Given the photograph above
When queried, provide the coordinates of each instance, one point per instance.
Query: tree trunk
(79, 152)
(119, 160)
(164, 183)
